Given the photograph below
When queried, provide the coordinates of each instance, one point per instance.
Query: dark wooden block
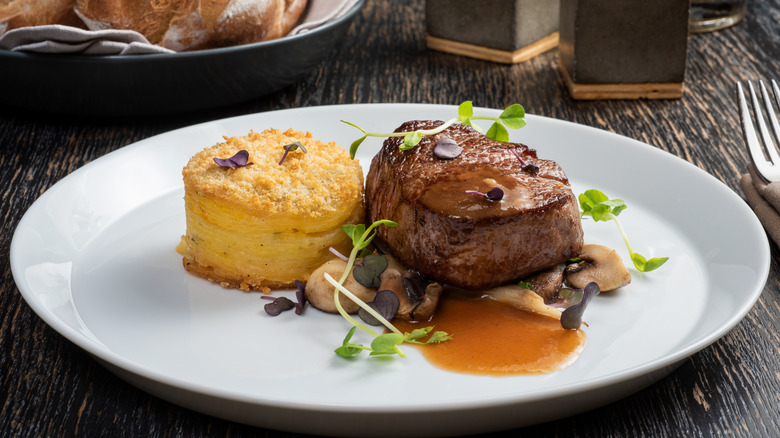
(496, 30)
(611, 49)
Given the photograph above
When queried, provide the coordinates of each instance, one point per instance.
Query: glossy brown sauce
(497, 339)
(449, 195)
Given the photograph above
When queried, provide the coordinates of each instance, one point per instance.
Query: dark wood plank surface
(49, 387)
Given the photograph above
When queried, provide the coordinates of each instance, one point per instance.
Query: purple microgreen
(386, 303)
(238, 160)
(278, 305)
(283, 304)
(494, 194)
(528, 166)
(571, 318)
(300, 294)
(291, 147)
(447, 149)
(368, 272)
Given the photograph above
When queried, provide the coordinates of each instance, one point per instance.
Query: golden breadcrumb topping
(314, 183)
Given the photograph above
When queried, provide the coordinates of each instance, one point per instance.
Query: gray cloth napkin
(321, 12)
(55, 38)
(764, 199)
(66, 39)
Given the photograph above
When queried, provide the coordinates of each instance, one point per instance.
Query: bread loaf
(183, 25)
(25, 13)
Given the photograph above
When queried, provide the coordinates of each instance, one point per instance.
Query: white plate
(94, 257)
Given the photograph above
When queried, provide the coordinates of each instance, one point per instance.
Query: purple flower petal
(238, 160)
(447, 149)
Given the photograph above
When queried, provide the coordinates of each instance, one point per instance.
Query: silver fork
(763, 152)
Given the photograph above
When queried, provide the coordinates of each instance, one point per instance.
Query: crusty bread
(25, 13)
(183, 25)
(266, 225)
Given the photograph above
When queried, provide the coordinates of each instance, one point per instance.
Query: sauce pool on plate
(494, 338)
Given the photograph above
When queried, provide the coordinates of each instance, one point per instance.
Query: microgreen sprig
(598, 206)
(382, 344)
(291, 147)
(513, 117)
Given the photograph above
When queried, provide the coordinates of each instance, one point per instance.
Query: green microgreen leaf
(386, 344)
(348, 349)
(465, 110)
(644, 265)
(411, 140)
(438, 336)
(355, 145)
(598, 206)
(525, 284)
(354, 231)
(513, 117)
(417, 334)
(497, 132)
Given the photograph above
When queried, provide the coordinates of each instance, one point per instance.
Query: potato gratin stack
(265, 225)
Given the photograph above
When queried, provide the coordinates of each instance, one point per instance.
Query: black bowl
(163, 83)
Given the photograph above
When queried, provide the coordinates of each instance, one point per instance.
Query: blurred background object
(711, 15)
(623, 50)
(506, 31)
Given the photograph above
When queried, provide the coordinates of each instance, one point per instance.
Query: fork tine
(751, 138)
(771, 115)
(766, 137)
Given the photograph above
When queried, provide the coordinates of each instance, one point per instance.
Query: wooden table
(49, 387)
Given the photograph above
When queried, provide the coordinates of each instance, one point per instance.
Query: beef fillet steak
(465, 239)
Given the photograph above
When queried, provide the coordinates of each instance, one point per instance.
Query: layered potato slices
(264, 225)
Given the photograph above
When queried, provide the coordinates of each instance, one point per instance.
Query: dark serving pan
(163, 83)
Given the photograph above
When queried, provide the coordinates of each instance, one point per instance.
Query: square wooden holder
(490, 54)
(649, 90)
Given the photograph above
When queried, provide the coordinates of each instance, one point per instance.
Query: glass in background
(711, 15)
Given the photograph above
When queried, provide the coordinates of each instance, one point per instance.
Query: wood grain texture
(49, 387)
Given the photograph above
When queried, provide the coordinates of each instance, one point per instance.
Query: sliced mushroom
(547, 283)
(523, 298)
(424, 302)
(600, 264)
(320, 293)
(413, 307)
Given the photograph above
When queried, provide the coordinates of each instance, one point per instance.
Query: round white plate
(94, 257)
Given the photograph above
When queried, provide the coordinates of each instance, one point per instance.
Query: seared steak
(465, 239)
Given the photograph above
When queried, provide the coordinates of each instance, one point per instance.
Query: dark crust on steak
(466, 240)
